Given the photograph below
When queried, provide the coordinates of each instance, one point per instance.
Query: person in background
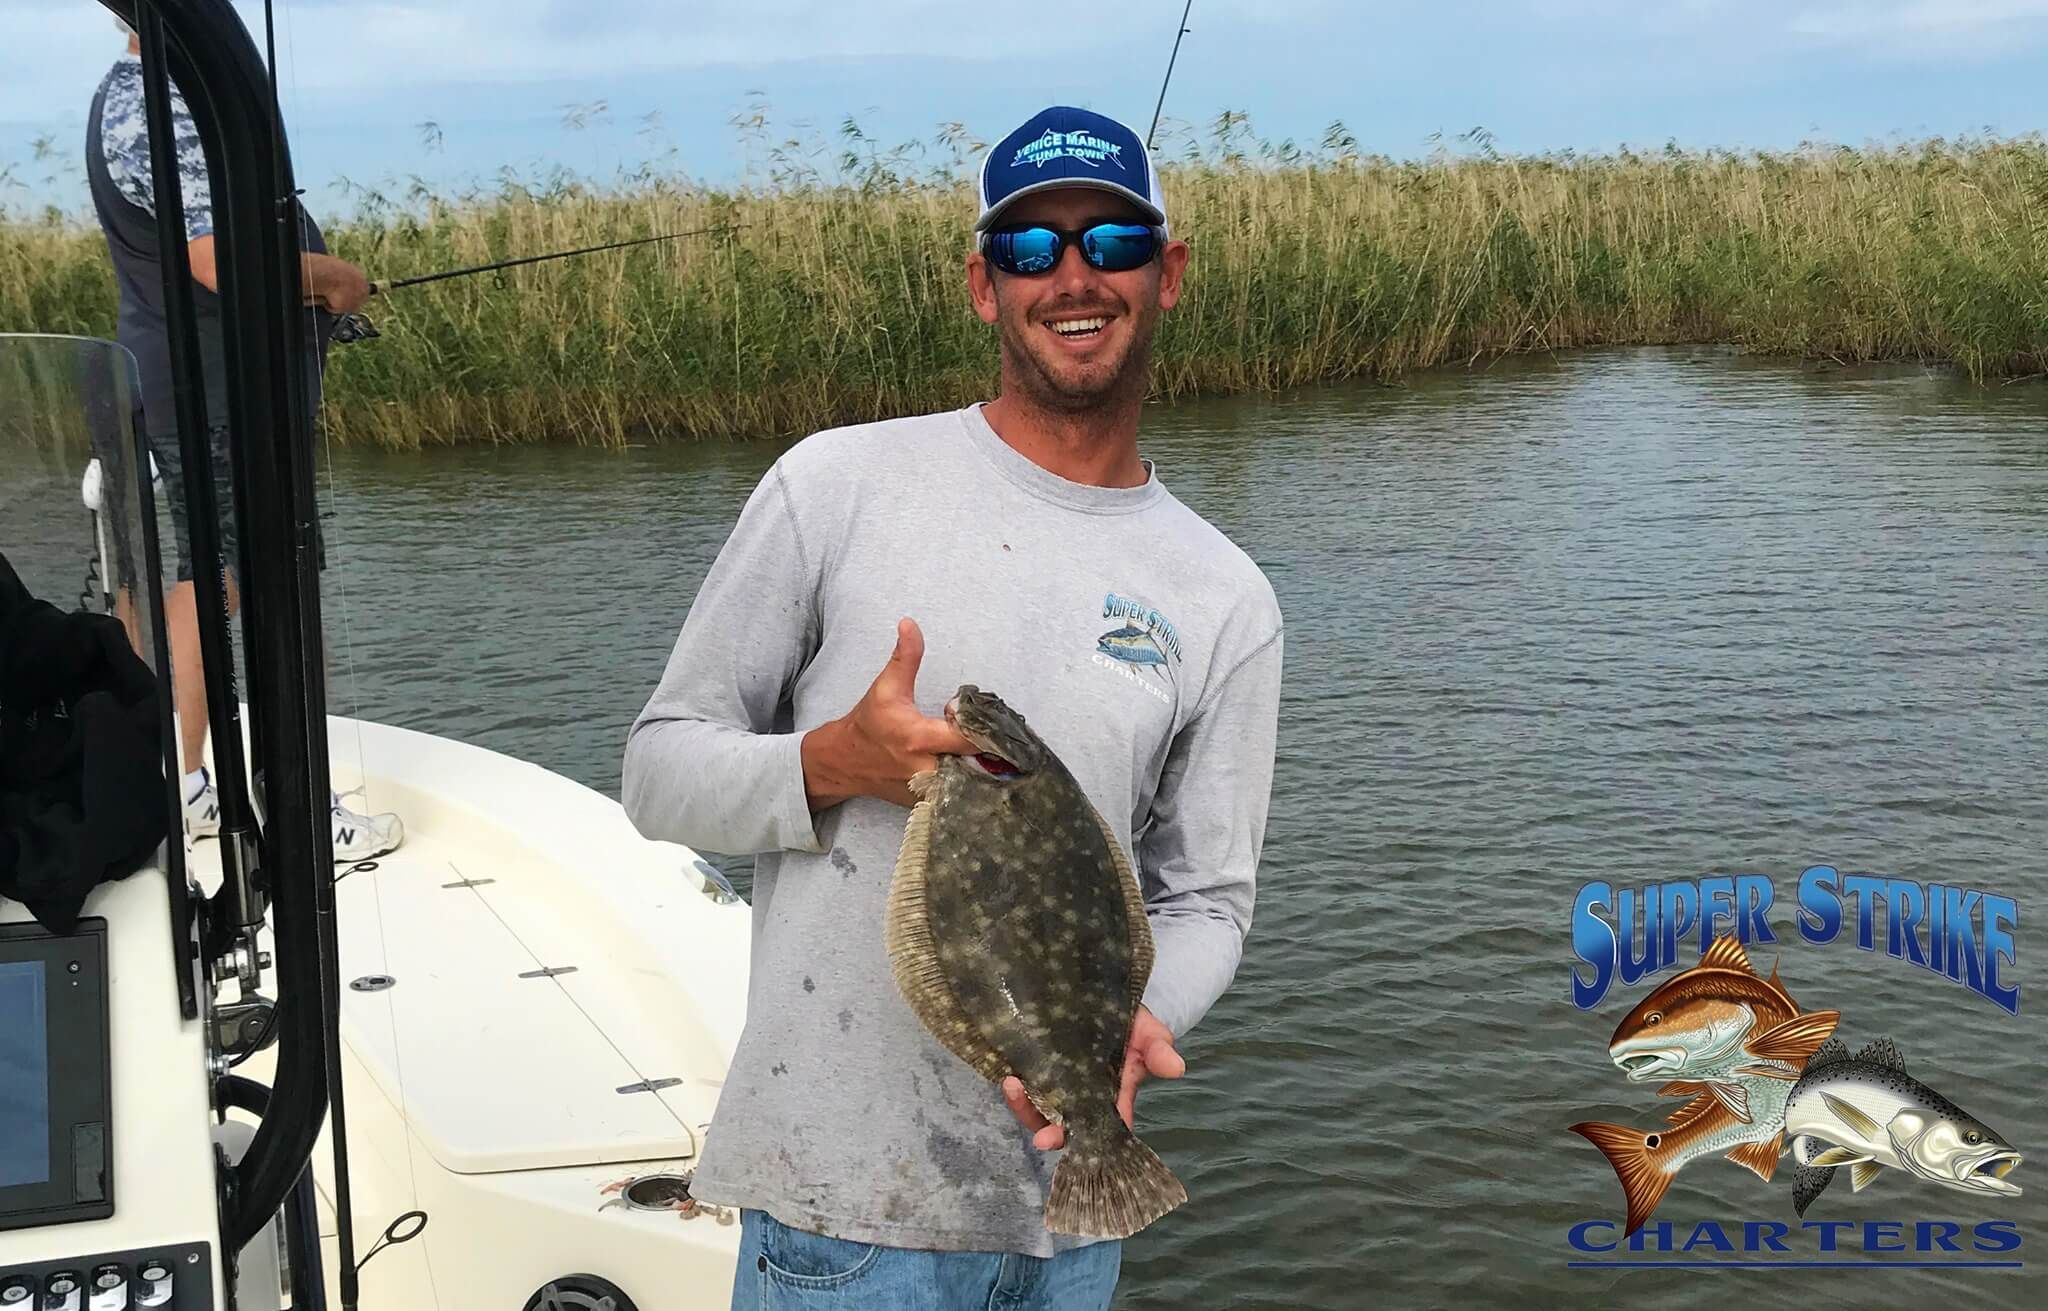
(117, 163)
(1025, 546)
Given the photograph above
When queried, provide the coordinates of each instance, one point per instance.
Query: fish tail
(1809, 1182)
(1109, 1185)
(1629, 1151)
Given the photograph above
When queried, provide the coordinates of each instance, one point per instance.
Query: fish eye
(1654, 1017)
(1973, 1137)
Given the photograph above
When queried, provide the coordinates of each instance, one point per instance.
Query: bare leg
(124, 610)
(188, 673)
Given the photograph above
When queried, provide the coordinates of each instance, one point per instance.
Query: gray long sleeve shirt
(1141, 644)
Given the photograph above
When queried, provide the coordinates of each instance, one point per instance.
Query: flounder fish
(1017, 933)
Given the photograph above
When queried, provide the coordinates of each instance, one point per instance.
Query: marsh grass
(839, 294)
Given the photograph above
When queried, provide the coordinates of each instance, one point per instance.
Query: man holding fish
(879, 1150)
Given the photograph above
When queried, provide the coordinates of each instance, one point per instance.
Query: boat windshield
(69, 439)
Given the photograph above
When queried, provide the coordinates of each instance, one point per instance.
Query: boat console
(54, 1106)
(107, 1166)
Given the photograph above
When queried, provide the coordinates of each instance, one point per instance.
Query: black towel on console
(82, 795)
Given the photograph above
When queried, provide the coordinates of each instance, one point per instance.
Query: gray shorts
(170, 466)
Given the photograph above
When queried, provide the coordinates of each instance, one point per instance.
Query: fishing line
(398, 1071)
(350, 1268)
(333, 512)
(342, 553)
(330, 1007)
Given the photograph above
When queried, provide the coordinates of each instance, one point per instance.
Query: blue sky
(502, 80)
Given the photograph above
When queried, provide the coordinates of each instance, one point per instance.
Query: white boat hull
(563, 1000)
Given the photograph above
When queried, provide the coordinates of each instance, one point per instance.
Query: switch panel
(174, 1278)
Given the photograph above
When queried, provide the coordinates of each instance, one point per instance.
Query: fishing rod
(1149, 133)
(354, 327)
(379, 288)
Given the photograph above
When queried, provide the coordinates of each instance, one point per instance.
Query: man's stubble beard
(1044, 391)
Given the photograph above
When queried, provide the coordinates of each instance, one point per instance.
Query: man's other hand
(1149, 1053)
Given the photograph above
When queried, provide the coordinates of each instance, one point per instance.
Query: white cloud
(1858, 22)
(499, 74)
(1886, 22)
(58, 47)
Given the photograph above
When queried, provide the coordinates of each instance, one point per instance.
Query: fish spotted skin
(1716, 1021)
(1865, 1112)
(1018, 934)
(1647, 1162)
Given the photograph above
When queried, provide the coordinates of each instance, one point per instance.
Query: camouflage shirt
(124, 139)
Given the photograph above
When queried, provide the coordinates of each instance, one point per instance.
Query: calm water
(1633, 616)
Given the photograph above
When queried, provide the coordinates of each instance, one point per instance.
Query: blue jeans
(785, 1269)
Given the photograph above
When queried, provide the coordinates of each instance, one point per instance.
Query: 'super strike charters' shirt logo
(1145, 642)
(1772, 1082)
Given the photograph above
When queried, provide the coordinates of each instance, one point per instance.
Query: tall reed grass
(839, 296)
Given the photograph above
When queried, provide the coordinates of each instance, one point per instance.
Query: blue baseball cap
(1068, 147)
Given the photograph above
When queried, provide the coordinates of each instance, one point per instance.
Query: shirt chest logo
(1144, 643)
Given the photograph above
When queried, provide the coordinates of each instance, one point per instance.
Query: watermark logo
(1766, 1080)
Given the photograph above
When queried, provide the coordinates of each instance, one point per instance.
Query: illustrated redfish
(1720, 1026)
(1647, 1162)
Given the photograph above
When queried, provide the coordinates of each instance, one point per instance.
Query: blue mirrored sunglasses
(1026, 249)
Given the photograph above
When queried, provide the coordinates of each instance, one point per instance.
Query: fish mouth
(988, 760)
(1640, 1065)
(1991, 1173)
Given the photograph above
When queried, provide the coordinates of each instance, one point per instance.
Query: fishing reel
(352, 327)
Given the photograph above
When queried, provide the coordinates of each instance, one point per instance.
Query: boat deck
(536, 1002)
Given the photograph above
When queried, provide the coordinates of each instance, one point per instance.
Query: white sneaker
(359, 837)
(356, 836)
(202, 812)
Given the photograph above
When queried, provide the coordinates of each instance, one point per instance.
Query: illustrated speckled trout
(1717, 1022)
(1865, 1112)
(1646, 1163)
(1018, 935)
